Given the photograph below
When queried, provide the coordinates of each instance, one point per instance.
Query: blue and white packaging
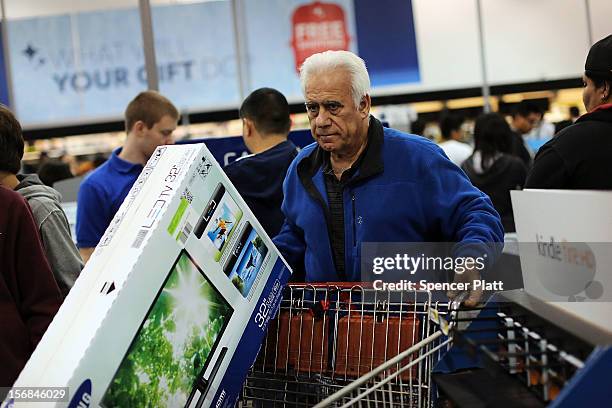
(172, 307)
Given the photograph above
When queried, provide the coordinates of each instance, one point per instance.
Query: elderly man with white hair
(361, 182)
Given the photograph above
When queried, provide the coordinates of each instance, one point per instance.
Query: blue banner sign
(86, 67)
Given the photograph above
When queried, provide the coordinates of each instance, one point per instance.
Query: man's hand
(474, 295)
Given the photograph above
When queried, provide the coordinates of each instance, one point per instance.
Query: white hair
(332, 60)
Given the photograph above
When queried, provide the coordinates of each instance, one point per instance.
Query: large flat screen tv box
(171, 309)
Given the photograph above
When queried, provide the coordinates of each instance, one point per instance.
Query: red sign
(318, 27)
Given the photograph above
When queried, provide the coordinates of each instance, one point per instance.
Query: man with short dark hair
(455, 149)
(525, 117)
(51, 221)
(150, 120)
(259, 176)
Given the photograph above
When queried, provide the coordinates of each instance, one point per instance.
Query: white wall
(601, 18)
(525, 41)
(447, 46)
(447, 43)
(534, 40)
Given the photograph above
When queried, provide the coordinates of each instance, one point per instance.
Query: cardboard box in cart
(172, 307)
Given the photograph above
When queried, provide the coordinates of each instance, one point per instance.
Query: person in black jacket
(580, 156)
(492, 168)
(259, 177)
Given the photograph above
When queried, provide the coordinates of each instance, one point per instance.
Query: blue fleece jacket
(405, 190)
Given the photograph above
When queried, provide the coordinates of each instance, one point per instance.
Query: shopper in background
(83, 165)
(43, 157)
(574, 114)
(580, 156)
(53, 170)
(98, 160)
(525, 117)
(29, 296)
(150, 120)
(492, 168)
(455, 149)
(51, 221)
(543, 130)
(259, 176)
(72, 162)
(418, 127)
(361, 182)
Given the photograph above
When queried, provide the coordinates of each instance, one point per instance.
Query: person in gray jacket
(44, 201)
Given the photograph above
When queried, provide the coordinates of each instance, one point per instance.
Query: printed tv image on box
(174, 345)
(245, 261)
(218, 220)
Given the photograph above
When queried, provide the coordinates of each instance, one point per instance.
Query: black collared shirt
(369, 164)
(335, 192)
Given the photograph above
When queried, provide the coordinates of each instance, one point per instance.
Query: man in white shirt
(457, 151)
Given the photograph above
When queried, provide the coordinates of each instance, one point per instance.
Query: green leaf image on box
(174, 344)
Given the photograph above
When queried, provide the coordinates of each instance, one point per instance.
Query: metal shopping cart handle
(332, 285)
(448, 323)
(456, 303)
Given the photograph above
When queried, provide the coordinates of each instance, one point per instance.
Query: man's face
(159, 134)
(335, 121)
(524, 124)
(591, 96)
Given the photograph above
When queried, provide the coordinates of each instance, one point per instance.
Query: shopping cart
(349, 344)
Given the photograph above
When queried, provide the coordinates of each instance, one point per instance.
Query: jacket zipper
(354, 226)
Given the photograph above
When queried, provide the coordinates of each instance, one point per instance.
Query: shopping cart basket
(349, 344)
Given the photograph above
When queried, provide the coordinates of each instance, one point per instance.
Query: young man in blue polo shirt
(150, 120)
(259, 176)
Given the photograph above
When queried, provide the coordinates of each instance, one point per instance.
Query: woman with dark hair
(580, 156)
(492, 168)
